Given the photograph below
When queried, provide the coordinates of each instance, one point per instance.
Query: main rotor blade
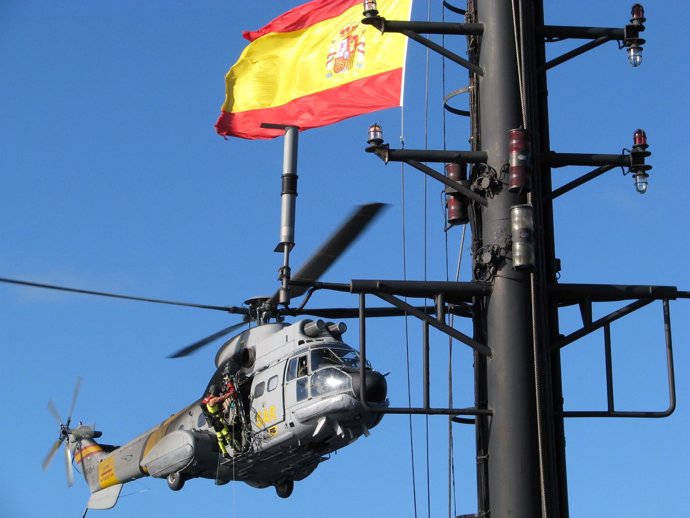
(51, 454)
(227, 309)
(74, 401)
(329, 252)
(205, 341)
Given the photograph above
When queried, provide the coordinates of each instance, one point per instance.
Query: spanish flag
(314, 65)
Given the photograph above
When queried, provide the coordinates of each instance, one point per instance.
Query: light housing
(375, 135)
(522, 230)
(635, 55)
(632, 35)
(370, 9)
(638, 166)
(637, 13)
(641, 179)
(519, 161)
(640, 139)
(456, 204)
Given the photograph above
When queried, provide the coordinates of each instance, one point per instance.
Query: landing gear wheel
(284, 488)
(176, 481)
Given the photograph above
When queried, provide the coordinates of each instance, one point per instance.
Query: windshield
(324, 357)
(328, 381)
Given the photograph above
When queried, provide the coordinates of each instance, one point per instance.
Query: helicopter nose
(376, 386)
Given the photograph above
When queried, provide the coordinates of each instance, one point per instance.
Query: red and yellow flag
(314, 65)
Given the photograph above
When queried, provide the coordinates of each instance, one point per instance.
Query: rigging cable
(520, 55)
(452, 499)
(451, 507)
(407, 333)
(425, 248)
(519, 58)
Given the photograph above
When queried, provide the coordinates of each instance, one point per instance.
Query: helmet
(212, 389)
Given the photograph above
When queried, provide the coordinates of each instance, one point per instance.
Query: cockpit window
(325, 357)
(297, 368)
(291, 370)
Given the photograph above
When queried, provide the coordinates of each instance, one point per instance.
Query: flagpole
(288, 197)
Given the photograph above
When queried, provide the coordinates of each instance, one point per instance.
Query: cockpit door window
(298, 371)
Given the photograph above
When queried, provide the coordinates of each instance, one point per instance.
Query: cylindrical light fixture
(519, 161)
(522, 229)
(634, 43)
(636, 13)
(370, 9)
(375, 135)
(641, 179)
(640, 139)
(456, 204)
(638, 166)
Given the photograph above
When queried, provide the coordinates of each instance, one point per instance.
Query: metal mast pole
(513, 470)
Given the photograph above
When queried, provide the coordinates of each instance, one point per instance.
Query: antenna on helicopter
(288, 197)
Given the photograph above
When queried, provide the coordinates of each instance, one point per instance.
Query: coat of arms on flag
(346, 51)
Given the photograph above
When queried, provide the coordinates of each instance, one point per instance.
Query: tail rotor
(65, 432)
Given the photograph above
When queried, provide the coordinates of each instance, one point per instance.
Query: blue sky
(114, 180)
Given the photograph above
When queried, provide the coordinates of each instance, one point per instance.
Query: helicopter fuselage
(299, 400)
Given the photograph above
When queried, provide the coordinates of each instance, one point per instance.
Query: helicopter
(297, 391)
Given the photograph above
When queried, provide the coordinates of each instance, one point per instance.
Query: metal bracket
(413, 29)
(605, 323)
(426, 409)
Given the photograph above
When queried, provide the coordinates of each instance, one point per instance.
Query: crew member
(231, 411)
(211, 404)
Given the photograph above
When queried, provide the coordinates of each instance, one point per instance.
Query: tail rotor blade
(74, 400)
(68, 466)
(53, 410)
(51, 454)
